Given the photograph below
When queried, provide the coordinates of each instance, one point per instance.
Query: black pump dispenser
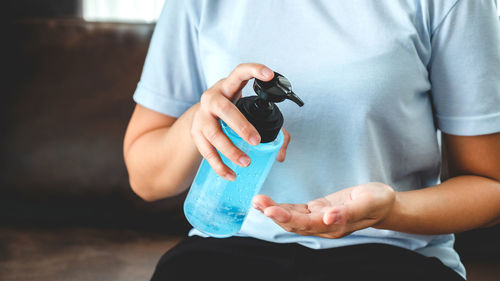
(261, 111)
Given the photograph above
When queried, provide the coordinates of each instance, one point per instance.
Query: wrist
(393, 216)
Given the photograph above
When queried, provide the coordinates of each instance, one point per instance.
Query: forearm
(458, 204)
(163, 162)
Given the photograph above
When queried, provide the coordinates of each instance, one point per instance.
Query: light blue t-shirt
(378, 78)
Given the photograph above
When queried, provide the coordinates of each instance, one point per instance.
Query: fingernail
(254, 140)
(244, 160)
(230, 176)
(266, 72)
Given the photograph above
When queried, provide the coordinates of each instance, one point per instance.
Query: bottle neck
(264, 116)
(244, 146)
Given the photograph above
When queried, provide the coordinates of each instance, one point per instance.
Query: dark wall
(66, 102)
(44, 8)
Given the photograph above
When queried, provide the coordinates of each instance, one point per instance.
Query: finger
(279, 214)
(221, 107)
(335, 215)
(213, 158)
(293, 220)
(261, 202)
(282, 152)
(223, 144)
(301, 208)
(344, 227)
(238, 78)
(318, 205)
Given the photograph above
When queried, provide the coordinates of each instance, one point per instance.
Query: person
(359, 195)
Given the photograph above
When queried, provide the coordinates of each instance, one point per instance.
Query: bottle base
(218, 225)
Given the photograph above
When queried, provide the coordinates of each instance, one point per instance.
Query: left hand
(335, 215)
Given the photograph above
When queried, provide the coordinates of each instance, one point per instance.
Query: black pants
(238, 258)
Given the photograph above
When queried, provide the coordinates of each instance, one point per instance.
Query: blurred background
(66, 209)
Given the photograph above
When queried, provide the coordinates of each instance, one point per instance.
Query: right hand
(217, 103)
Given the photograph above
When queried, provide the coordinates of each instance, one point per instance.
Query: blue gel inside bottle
(218, 207)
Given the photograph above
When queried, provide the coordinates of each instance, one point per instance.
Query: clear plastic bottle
(218, 207)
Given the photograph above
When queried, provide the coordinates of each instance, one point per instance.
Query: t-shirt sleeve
(172, 77)
(465, 69)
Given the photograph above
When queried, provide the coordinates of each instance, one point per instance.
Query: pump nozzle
(261, 111)
(293, 97)
(276, 90)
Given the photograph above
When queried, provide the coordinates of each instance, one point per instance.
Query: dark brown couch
(66, 209)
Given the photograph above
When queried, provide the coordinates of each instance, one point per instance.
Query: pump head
(261, 111)
(276, 90)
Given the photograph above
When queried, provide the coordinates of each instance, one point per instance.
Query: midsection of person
(368, 114)
(365, 70)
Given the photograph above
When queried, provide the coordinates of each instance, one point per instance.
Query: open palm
(335, 215)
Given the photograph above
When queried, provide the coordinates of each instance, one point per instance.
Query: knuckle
(211, 156)
(216, 164)
(212, 133)
(220, 83)
(234, 153)
(246, 130)
(193, 132)
(252, 68)
(205, 99)
(222, 105)
(226, 88)
(259, 66)
(313, 205)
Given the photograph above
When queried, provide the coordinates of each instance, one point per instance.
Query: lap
(241, 258)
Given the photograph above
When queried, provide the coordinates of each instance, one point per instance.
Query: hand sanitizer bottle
(217, 207)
